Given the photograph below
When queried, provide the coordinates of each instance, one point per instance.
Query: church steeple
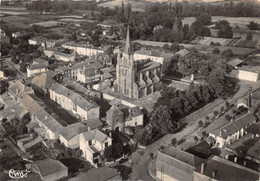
(127, 42)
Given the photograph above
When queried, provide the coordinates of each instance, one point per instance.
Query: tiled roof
(154, 53)
(74, 97)
(37, 66)
(95, 134)
(32, 143)
(234, 126)
(73, 44)
(48, 167)
(72, 130)
(236, 61)
(115, 110)
(88, 63)
(227, 170)
(44, 80)
(18, 88)
(40, 61)
(98, 174)
(146, 65)
(182, 52)
(175, 156)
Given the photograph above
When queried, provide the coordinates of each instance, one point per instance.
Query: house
(38, 40)
(135, 79)
(93, 143)
(51, 52)
(69, 135)
(98, 174)
(103, 59)
(248, 73)
(73, 102)
(43, 81)
(217, 168)
(153, 55)
(233, 130)
(4, 38)
(31, 144)
(235, 62)
(175, 164)
(22, 141)
(39, 115)
(83, 49)
(89, 75)
(73, 69)
(38, 66)
(120, 117)
(183, 52)
(49, 169)
(17, 89)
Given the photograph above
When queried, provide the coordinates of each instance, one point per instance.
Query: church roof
(127, 49)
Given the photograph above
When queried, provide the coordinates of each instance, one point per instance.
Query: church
(135, 79)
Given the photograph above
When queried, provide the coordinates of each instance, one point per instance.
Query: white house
(93, 143)
(69, 135)
(248, 73)
(88, 75)
(38, 66)
(83, 49)
(233, 131)
(59, 55)
(153, 55)
(73, 102)
(36, 40)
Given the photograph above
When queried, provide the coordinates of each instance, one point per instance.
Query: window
(106, 144)
(90, 142)
(135, 123)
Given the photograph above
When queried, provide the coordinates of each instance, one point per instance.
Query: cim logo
(16, 174)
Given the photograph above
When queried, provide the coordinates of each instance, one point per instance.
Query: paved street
(141, 161)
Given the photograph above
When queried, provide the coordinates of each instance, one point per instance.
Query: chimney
(249, 100)
(227, 156)
(220, 133)
(244, 163)
(235, 159)
(213, 174)
(202, 168)
(89, 128)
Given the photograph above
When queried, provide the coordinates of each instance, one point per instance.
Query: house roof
(115, 110)
(48, 167)
(234, 126)
(95, 134)
(18, 88)
(72, 130)
(40, 61)
(37, 66)
(107, 72)
(44, 80)
(176, 157)
(74, 97)
(154, 53)
(88, 63)
(34, 107)
(32, 143)
(227, 170)
(146, 65)
(235, 62)
(74, 44)
(182, 52)
(98, 174)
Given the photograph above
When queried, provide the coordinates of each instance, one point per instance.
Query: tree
(215, 113)
(225, 30)
(205, 19)
(216, 51)
(204, 134)
(249, 36)
(227, 53)
(253, 26)
(151, 155)
(161, 120)
(227, 117)
(200, 123)
(174, 141)
(196, 138)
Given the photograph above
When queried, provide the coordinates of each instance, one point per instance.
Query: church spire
(128, 43)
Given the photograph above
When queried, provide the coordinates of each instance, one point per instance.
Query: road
(12, 145)
(141, 158)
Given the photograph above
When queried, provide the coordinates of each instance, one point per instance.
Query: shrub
(216, 51)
